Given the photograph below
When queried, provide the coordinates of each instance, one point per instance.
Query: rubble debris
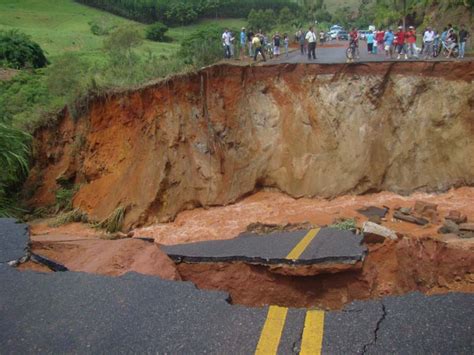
(410, 218)
(375, 219)
(267, 228)
(423, 208)
(456, 217)
(373, 211)
(374, 233)
(466, 235)
(449, 227)
(405, 210)
(467, 227)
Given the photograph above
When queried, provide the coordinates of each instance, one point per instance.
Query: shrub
(156, 32)
(14, 159)
(202, 47)
(101, 26)
(17, 50)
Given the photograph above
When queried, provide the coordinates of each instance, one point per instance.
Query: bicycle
(269, 51)
(351, 51)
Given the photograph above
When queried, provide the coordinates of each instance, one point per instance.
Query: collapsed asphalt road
(77, 312)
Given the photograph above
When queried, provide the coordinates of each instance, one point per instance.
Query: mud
(394, 268)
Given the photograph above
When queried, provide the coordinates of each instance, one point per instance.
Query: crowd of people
(402, 43)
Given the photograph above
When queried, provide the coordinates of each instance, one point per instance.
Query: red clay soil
(277, 208)
(393, 268)
(109, 257)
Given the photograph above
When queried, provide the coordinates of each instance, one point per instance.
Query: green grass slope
(63, 26)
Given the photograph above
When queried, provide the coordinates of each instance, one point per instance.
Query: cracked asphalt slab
(329, 245)
(69, 312)
(14, 239)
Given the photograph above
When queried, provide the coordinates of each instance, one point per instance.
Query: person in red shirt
(411, 42)
(354, 38)
(400, 42)
(379, 37)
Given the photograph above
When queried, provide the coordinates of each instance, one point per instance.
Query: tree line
(182, 12)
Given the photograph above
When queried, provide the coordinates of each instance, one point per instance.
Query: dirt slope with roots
(211, 137)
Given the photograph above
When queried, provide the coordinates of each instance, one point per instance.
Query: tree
(18, 51)
(157, 32)
(285, 16)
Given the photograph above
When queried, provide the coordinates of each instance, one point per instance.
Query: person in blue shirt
(370, 42)
(243, 43)
(388, 39)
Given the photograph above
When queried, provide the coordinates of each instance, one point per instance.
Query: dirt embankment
(308, 130)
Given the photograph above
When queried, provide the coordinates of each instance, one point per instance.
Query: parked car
(343, 36)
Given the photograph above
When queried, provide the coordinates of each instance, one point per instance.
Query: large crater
(211, 137)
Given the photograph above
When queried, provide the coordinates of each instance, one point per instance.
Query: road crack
(376, 330)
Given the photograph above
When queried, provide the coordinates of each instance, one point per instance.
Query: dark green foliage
(102, 26)
(14, 159)
(203, 47)
(17, 50)
(157, 32)
(64, 197)
(186, 11)
(262, 20)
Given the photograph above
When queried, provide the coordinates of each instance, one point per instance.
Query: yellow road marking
(276, 317)
(312, 342)
(303, 244)
(271, 332)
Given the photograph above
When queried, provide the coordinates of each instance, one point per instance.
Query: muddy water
(274, 207)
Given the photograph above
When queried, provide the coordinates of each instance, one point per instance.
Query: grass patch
(114, 222)
(64, 197)
(344, 224)
(76, 215)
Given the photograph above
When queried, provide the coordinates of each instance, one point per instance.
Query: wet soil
(421, 260)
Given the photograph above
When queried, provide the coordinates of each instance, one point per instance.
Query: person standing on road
(452, 42)
(257, 47)
(286, 41)
(354, 38)
(388, 40)
(226, 37)
(312, 39)
(463, 36)
(400, 39)
(411, 42)
(250, 35)
(276, 44)
(379, 38)
(370, 42)
(301, 40)
(243, 43)
(428, 38)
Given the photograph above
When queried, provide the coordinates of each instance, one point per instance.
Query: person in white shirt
(428, 39)
(311, 38)
(226, 42)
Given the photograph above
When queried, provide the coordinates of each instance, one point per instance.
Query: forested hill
(179, 12)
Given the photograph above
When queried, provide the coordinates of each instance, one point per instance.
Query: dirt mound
(268, 228)
(211, 137)
(109, 257)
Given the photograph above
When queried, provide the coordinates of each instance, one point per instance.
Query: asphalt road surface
(335, 52)
(68, 312)
(321, 245)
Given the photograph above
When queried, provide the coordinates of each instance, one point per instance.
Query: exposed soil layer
(212, 137)
(393, 268)
(107, 257)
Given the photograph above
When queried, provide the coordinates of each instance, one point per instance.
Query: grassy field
(63, 26)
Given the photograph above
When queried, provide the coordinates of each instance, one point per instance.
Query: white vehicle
(336, 28)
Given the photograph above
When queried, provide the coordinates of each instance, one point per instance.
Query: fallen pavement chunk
(422, 207)
(449, 227)
(405, 210)
(374, 233)
(467, 227)
(466, 235)
(456, 217)
(373, 211)
(411, 219)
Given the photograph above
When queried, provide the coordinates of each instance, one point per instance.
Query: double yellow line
(314, 321)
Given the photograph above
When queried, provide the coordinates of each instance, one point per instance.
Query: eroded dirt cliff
(211, 137)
